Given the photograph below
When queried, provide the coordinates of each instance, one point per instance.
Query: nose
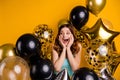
(65, 35)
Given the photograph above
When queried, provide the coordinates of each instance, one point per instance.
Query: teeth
(65, 39)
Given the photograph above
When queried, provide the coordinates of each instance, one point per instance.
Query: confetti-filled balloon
(6, 50)
(43, 33)
(46, 38)
(98, 54)
(100, 57)
(14, 68)
(82, 38)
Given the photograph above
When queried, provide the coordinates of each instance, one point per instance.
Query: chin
(66, 44)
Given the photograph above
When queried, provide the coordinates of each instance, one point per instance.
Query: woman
(66, 49)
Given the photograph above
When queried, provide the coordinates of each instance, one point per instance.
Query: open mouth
(65, 41)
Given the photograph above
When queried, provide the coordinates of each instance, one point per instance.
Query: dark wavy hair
(57, 46)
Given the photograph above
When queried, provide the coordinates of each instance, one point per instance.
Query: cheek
(61, 36)
(69, 35)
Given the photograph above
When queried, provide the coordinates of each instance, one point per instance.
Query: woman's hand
(70, 41)
(61, 42)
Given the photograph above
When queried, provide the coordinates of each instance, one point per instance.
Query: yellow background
(21, 16)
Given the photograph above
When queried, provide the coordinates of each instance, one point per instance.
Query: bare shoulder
(80, 48)
(79, 45)
(54, 52)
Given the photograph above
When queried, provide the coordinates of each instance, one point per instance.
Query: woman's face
(65, 35)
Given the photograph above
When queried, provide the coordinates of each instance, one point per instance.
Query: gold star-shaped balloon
(101, 32)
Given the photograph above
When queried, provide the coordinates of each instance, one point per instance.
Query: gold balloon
(114, 62)
(114, 46)
(46, 38)
(14, 68)
(95, 6)
(107, 24)
(63, 22)
(6, 50)
(100, 31)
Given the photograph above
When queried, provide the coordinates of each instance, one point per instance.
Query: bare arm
(74, 60)
(58, 61)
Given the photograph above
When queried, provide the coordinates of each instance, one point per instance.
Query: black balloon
(85, 74)
(79, 16)
(27, 45)
(41, 69)
(32, 59)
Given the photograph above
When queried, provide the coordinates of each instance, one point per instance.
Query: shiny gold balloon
(114, 62)
(14, 68)
(107, 24)
(6, 50)
(46, 38)
(95, 6)
(114, 46)
(63, 22)
(100, 31)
